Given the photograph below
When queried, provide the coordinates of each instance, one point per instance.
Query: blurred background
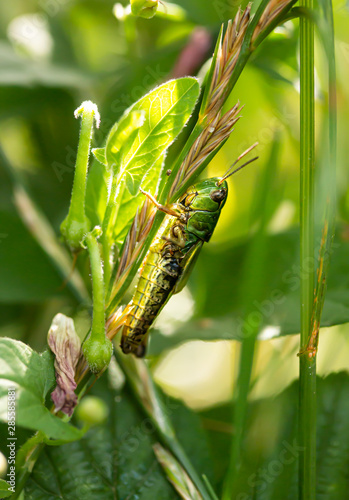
(56, 53)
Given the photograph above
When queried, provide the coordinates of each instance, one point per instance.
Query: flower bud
(66, 346)
(92, 411)
(74, 231)
(98, 353)
(144, 8)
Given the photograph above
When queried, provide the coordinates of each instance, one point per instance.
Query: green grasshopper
(166, 268)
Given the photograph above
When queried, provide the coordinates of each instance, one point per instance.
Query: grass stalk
(307, 365)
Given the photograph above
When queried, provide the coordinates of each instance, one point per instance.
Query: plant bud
(74, 231)
(66, 346)
(92, 411)
(98, 353)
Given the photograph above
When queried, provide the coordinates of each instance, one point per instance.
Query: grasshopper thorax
(207, 195)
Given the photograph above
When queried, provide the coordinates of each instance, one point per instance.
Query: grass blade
(176, 474)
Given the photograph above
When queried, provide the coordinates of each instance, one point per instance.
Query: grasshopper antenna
(230, 172)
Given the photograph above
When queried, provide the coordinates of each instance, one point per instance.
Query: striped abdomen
(158, 278)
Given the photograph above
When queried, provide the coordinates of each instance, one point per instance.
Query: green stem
(111, 213)
(97, 349)
(307, 375)
(106, 249)
(77, 203)
(98, 317)
(130, 30)
(241, 403)
(75, 225)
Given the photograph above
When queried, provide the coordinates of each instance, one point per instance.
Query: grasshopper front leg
(162, 208)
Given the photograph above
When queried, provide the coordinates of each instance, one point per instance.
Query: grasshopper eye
(218, 195)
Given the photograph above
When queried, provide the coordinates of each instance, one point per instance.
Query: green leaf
(176, 474)
(116, 459)
(99, 154)
(270, 454)
(96, 193)
(4, 489)
(166, 111)
(32, 376)
(120, 140)
(219, 309)
(131, 184)
(130, 203)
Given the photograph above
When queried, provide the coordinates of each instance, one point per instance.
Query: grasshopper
(171, 257)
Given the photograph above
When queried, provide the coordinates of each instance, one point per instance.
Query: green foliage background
(89, 55)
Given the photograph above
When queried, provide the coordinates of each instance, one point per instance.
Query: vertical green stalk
(76, 225)
(79, 187)
(97, 349)
(307, 366)
(110, 217)
(98, 320)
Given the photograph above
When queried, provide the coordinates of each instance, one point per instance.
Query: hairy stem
(76, 225)
(98, 317)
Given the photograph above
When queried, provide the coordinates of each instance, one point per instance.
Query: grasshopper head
(206, 195)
